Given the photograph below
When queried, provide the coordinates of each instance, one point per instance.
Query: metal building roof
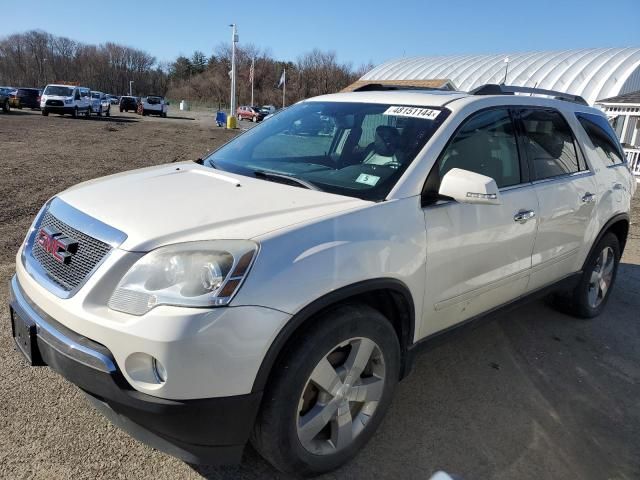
(592, 73)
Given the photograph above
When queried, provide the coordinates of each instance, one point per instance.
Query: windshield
(59, 91)
(353, 149)
(154, 100)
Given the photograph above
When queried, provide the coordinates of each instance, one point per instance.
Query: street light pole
(130, 88)
(231, 123)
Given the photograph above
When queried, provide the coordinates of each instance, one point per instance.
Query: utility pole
(284, 86)
(131, 88)
(252, 74)
(231, 121)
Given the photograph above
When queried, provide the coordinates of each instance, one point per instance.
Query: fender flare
(613, 220)
(325, 302)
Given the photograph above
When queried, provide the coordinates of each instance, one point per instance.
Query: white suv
(280, 289)
(65, 99)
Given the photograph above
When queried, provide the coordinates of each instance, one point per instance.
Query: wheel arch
(388, 295)
(618, 225)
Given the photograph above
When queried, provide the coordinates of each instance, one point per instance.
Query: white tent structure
(593, 73)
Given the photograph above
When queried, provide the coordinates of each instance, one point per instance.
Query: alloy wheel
(341, 396)
(601, 277)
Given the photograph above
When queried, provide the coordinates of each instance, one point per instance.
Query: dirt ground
(530, 394)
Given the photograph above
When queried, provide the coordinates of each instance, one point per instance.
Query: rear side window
(604, 140)
(548, 143)
(485, 144)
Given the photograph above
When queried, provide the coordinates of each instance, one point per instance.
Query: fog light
(159, 371)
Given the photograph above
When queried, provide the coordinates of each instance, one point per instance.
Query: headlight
(68, 101)
(194, 274)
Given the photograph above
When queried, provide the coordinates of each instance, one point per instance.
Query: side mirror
(470, 187)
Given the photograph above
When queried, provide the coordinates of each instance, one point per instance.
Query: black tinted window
(485, 144)
(549, 144)
(604, 140)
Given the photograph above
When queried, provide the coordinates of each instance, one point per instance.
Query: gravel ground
(531, 394)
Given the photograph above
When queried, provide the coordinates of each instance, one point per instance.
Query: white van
(63, 99)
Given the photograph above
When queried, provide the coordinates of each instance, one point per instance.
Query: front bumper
(208, 431)
(58, 109)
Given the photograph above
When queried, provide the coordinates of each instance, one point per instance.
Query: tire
(284, 433)
(45, 112)
(6, 108)
(590, 296)
(88, 113)
(75, 112)
(121, 110)
(99, 112)
(108, 114)
(254, 119)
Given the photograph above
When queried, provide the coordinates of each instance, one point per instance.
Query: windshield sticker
(413, 112)
(367, 179)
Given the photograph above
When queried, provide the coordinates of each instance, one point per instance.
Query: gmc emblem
(59, 246)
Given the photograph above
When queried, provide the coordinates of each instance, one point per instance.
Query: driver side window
(485, 144)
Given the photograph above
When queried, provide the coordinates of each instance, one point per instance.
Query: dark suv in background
(26, 97)
(128, 103)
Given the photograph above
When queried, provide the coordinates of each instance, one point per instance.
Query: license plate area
(26, 337)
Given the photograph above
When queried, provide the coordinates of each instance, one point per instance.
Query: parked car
(128, 103)
(281, 287)
(5, 93)
(154, 105)
(114, 99)
(65, 99)
(100, 104)
(25, 98)
(268, 109)
(250, 113)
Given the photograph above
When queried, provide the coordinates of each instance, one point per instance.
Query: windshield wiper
(289, 179)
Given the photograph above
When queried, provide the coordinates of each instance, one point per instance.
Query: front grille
(55, 103)
(89, 254)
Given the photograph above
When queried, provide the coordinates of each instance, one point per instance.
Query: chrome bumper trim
(56, 337)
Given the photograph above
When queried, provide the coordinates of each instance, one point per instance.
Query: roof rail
(379, 87)
(494, 89)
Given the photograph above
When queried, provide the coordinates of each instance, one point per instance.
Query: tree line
(35, 58)
(207, 80)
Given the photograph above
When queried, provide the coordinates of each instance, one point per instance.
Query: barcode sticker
(413, 112)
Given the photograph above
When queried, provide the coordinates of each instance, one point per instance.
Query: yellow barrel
(231, 122)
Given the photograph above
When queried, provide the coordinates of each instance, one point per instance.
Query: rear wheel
(45, 112)
(6, 108)
(591, 294)
(328, 394)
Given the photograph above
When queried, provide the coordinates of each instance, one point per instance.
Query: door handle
(523, 216)
(588, 197)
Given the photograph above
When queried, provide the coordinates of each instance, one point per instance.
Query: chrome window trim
(78, 220)
(616, 165)
(56, 339)
(566, 176)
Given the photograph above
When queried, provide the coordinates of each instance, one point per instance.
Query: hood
(187, 202)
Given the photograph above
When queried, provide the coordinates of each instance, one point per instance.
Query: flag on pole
(283, 79)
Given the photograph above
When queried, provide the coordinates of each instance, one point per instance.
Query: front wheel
(328, 394)
(6, 108)
(45, 112)
(108, 114)
(75, 112)
(591, 294)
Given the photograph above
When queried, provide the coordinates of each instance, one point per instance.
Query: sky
(359, 31)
